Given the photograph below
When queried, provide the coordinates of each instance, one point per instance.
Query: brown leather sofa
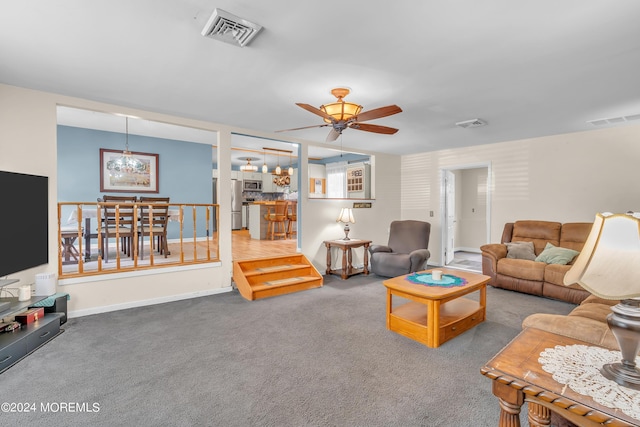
(587, 322)
(529, 276)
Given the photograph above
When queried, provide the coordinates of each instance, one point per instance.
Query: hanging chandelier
(248, 167)
(290, 166)
(126, 163)
(265, 168)
(278, 170)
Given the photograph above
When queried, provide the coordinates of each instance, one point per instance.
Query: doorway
(465, 206)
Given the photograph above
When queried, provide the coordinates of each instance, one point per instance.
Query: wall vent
(473, 123)
(229, 28)
(614, 120)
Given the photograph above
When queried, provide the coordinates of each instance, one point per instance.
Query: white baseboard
(464, 249)
(142, 303)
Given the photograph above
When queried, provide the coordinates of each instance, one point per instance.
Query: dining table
(88, 214)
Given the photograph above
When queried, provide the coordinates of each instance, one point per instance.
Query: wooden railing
(192, 238)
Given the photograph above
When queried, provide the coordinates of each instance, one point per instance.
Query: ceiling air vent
(474, 123)
(614, 120)
(229, 28)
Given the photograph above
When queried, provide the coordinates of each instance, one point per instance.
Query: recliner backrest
(408, 235)
(538, 232)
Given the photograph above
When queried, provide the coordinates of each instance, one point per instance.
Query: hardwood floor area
(243, 247)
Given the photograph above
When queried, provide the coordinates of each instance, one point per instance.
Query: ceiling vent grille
(229, 28)
(474, 123)
(614, 120)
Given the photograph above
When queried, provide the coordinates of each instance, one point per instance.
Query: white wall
(563, 178)
(28, 145)
(28, 137)
(319, 215)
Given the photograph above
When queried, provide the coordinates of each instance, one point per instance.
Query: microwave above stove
(251, 185)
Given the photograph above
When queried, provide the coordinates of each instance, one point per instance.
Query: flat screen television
(24, 222)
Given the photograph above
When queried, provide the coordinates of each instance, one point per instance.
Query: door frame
(443, 197)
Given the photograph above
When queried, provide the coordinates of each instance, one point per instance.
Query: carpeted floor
(316, 358)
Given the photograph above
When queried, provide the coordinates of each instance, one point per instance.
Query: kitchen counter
(257, 224)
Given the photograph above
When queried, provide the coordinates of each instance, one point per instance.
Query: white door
(450, 215)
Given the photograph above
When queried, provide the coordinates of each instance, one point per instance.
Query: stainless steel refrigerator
(236, 204)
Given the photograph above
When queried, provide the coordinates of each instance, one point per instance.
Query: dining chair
(276, 217)
(292, 216)
(118, 221)
(154, 217)
(68, 237)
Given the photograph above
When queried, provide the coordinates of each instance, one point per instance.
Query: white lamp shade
(609, 264)
(346, 216)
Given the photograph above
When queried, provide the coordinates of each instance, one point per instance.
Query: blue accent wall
(184, 168)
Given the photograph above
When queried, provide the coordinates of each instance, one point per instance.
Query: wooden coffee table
(435, 314)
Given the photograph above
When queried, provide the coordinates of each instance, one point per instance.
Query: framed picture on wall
(131, 173)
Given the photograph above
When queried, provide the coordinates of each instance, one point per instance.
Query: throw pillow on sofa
(556, 255)
(521, 250)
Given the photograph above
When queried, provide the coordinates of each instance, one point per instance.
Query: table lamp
(609, 267)
(346, 216)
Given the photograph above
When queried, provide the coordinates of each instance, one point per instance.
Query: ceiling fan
(341, 115)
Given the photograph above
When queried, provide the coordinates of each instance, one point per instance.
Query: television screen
(24, 220)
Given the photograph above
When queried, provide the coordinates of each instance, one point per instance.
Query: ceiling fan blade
(333, 135)
(304, 127)
(373, 128)
(376, 113)
(314, 110)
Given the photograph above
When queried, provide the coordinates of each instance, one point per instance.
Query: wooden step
(267, 277)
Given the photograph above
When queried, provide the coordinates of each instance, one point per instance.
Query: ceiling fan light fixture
(341, 110)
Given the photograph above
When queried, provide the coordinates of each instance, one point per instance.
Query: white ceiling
(528, 68)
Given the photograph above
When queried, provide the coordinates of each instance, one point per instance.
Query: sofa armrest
(379, 248)
(494, 250)
(576, 327)
(418, 259)
(491, 253)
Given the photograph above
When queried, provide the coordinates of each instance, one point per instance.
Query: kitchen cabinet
(293, 187)
(236, 175)
(267, 183)
(252, 176)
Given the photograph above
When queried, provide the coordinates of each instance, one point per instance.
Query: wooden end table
(436, 314)
(346, 246)
(518, 377)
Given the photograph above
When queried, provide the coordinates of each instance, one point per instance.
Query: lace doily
(578, 366)
(447, 281)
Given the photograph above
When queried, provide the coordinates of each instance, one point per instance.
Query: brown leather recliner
(406, 252)
(537, 278)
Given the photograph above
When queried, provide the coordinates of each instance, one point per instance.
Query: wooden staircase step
(275, 268)
(285, 286)
(261, 278)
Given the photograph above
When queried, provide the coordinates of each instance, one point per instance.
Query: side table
(518, 377)
(346, 246)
